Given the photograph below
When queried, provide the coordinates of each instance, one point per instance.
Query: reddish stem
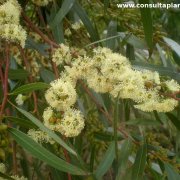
(30, 78)
(1, 74)
(5, 84)
(68, 160)
(38, 31)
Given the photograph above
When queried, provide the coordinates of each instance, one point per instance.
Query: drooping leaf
(43, 154)
(123, 158)
(29, 88)
(140, 162)
(173, 45)
(45, 129)
(65, 8)
(147, 23)
(85, 19)
(143, 122)
(106, 162)
(171, 173)
(16, 74)
(20, 121)
(111, 31)
(47, 75)
(174, 120)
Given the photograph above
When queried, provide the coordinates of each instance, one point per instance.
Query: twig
(173, 95)
(30, 79)
(38, 31)
(43, 21)
(5, 85)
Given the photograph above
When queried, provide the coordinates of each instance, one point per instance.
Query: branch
(38, 31)
(30, 78)
(5, 83)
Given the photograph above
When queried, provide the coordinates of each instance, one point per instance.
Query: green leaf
(161, 55)
(41, 48)
(115, 123)
(15, 74)
(30, 87)
(111, 31)
(140, 162)
(45, 129)
(171, 173)
(173, 45)
(21, 122)
(85, 19)
(106, 136)
(174, 120)
(43, 154)
(143, 122)
(65, 8)
(126, 149)
(130, 52)
(46, 75)
(147, 23)
(106, 5)
(106, 162)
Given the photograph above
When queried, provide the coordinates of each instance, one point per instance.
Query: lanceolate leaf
(65, 8)
(85, 19)
(106, 162)
(171, 173)
(43, 154)
(123, 158)
(174, 120)
(140, 162)
(147, 23)
(173, 45)
(20, 121)
(15, 74)
(45, 129)
(30, 87)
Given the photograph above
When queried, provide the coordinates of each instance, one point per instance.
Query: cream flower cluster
(41, 2)
(60, 116)
(108, 72)
(104, 72)
(10, 29)
(69, 123)
(61, 95)
(40, 136)
(62, 55)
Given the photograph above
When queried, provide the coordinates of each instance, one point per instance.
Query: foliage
(87, 133)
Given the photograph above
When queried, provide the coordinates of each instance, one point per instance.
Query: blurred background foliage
(148, 143)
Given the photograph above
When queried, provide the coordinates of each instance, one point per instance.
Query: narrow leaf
(21, 122)
(85, 19)
(173, 45)
(15, 74)
(140, 162)
(174, 120)
(147, 23)
(123, 158)
(65, 8)
(45, 129)
(29, 88)
(171, 173)
(43, 154)
(106, 162)
(111, 31)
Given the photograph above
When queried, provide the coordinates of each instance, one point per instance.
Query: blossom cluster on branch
(10, 28)
(104, 72)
